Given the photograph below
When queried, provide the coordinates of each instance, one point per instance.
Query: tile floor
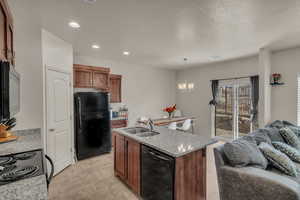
(93, 179)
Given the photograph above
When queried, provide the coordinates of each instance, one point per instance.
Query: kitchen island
(177, 159)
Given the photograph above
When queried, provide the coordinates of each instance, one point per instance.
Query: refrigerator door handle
(79, 107)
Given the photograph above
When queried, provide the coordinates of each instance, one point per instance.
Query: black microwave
(10, 91)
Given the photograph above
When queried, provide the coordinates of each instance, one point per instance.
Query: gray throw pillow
(295, 129)
(290, 137)
(261, 136)
(288, 150)
(278, 160)
(287, 123)
(274, 134)
(243, 152)
(276, 124)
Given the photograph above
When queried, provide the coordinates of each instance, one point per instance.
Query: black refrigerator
(92, 124)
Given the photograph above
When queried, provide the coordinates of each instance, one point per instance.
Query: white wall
(56, 53)
(195, 102)
(145, 90)
(284, 98)
(28, 62)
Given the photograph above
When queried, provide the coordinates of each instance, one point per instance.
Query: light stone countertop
(173, 143)
(27, 189)
(34, 188)
(28, 140)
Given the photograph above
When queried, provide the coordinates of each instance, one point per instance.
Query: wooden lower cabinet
(190, 176)
(133, 165)
(127, 161)
(190, 169)
(117, 124)
(120, 156)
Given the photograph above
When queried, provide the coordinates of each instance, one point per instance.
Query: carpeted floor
(93, 179)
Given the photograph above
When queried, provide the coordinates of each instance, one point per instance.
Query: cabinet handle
(158, 156)
(79, 107)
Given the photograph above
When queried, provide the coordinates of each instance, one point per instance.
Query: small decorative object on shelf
(170, 110)
(276, 77)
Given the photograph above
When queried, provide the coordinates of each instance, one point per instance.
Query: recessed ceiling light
(126, 53)
(74, 24)
(95, 46)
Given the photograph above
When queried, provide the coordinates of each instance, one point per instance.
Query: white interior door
(59, 138)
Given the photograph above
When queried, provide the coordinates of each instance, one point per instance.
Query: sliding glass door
(233, 116)
(224, 111)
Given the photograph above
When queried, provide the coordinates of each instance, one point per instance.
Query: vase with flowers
(276, 78)
(170, 110)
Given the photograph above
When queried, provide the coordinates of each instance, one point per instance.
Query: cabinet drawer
(118, 123)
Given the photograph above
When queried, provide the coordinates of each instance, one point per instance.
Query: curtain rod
(224, 79)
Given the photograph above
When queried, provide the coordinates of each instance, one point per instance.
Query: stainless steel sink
(136, 130)
(147, 134)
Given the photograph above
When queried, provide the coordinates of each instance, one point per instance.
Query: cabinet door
(10, 45)
(133, 165)
(120, 156)
(3, 31)
(83, 78)
(115, 88)
(113, 136)
(100, 80)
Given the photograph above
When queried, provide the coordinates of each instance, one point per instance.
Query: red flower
(170, 109)
(276, 75)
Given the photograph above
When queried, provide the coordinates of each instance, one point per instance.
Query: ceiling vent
(89, 1)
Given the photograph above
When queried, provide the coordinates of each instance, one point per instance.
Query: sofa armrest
(250, 183)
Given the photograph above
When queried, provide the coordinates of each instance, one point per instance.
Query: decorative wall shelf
(276, 84)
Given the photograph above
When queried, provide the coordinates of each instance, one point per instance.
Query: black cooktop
(19, 166)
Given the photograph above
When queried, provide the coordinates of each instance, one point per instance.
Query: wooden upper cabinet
(6, 33)
(83, 78)
(91, 77)
(115, 88)
(2, 34)
(10, 45)
(101, 80)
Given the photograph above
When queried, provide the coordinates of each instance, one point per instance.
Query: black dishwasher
(157, 175)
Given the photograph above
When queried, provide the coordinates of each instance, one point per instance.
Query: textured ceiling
(162, 32)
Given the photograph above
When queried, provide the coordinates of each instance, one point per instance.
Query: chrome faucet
(151, 124)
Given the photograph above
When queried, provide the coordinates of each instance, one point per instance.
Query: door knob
(51, 129)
